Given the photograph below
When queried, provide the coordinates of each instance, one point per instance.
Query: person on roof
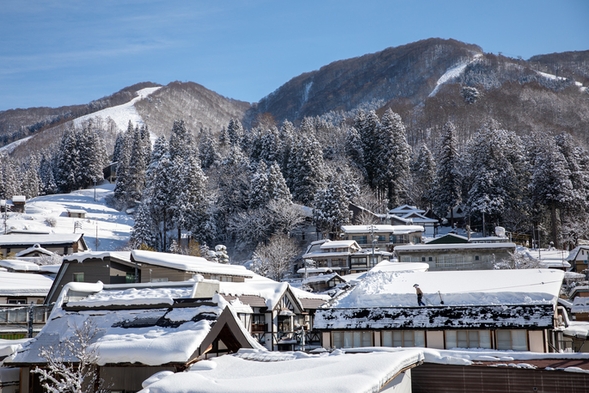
(419, 295)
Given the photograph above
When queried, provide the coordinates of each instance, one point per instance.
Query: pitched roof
(145, 325)
(189, 264)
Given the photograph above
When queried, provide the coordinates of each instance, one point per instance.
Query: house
(295, 372)
(61, 244)
(578, 257)
(37, 252)
(281, 313)
(76, 213)
(460, 255)
(22, 313)
(341, 256)
(135, 331)
(112, 267)
(416, 216)
(323, 282)
(18, 203)
(495, 309)
(385, 237)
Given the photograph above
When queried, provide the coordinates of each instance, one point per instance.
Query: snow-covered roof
(24, 284)
(455, 246)
(456, 288)
(52, 238)
(189, 263)
(19, 198)
(388, 266)
(321, 278)
(132, 325)
(394, 229)
(580, 305)
(34, 248)
(81, 256)
(339, 244)
(406, 208)
(19, 266)
(268, 372)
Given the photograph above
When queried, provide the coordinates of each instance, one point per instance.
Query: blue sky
(62, 52)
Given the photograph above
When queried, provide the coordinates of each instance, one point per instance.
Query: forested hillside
(437, 124)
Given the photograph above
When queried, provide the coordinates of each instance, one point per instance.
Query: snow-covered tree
(331, 208)
(305, 169)
(259, 193)
(448, 181)
(423, 172)
(392, 159)
(68, 163)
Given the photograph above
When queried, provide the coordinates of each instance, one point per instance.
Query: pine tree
(270, 146)
(393, 158)
(68, 163)
(448, 182)
(306, 169)
(423, 171)
(551, 185)
(331, 208)
(490, 177)
(277, 188)
(259, 193)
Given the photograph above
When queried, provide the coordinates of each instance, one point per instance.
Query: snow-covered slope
(121, 114)
(49, 214)
(453, 73)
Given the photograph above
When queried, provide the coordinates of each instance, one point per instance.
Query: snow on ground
(121, 114)
(49, 214)
(452, 73)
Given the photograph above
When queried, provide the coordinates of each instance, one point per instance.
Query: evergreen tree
(354, 149)
(448, 182)
(259, 193)
(331, 208)
(367, 126)
(305, 169)
(68, 163)
(490, 177)
(423, 171)
(271, 146)
(277, 188)
(551, 184)
(393, 158)
(48, 185)
(235, 132)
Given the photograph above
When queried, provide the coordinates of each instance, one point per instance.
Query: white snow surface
(261, 372)
(121, 114)
(189, 263)
(112, 227)
(482, 287)
(24, 284)
(453, 72)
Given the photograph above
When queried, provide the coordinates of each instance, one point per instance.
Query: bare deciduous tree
(274, 259)
(72, 365)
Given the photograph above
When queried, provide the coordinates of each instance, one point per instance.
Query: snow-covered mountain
(427, 82)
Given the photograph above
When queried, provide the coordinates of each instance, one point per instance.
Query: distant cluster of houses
(158, 312)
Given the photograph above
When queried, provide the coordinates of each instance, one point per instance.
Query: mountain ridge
(546, 93)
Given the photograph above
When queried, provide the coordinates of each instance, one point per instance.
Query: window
(468, 339)
(16, 300)
(352, 339)
(476, 257)
(360, 239)
(359, 261)
(516, 340)
(79, 277)
(403, 338)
